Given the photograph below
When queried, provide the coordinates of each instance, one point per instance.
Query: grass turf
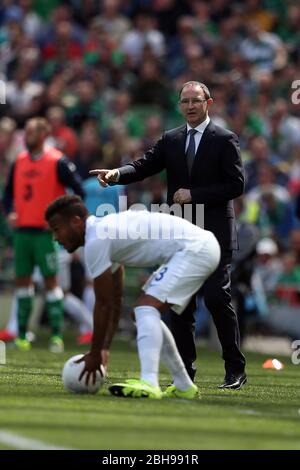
(263, 415)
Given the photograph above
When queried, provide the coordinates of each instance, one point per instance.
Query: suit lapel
(180, 140)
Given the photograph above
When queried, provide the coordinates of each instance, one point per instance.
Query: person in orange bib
(38, 176)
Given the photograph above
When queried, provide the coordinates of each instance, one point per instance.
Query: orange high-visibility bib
(35, 186)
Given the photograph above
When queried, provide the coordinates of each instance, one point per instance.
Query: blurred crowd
(106, 74)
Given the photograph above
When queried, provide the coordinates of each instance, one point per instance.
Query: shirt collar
(201, 128)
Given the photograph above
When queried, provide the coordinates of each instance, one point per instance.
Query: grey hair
(201, 85)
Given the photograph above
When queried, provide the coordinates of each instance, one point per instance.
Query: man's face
(68, 233)
(193, 104)
(33, 136)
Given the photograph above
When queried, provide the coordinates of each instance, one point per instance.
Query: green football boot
(136, 389)
(22, 344)
(174, 392)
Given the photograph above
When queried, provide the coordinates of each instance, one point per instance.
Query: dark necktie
(190, 153)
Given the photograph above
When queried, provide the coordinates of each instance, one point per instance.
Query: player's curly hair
(67, 206)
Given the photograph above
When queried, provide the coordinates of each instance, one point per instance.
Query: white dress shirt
(200, 129)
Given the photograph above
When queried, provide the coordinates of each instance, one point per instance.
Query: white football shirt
(138, 239)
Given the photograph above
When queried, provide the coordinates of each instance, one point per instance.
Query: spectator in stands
(265, 50)
(144, 32)
(63, 136)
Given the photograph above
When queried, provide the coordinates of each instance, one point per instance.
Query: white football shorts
(176, 281)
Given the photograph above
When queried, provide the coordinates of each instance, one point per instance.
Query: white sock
(170, 357)
(149, 342)
(12, 326)
(79, 312)
(89, 298)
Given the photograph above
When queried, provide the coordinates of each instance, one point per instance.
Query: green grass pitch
(265, 414)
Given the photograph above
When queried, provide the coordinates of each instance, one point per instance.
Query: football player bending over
(187, 255)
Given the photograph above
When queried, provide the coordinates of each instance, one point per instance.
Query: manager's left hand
(182, 196)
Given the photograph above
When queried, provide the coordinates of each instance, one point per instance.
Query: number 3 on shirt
(161, 273)
(28, 193)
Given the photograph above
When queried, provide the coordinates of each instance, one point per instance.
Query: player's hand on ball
(92, 364)
(106, 176)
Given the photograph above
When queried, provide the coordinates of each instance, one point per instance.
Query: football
(71, 373)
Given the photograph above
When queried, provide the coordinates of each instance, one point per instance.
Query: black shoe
(233, 381)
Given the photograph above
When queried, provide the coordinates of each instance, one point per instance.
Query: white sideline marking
(20, 442)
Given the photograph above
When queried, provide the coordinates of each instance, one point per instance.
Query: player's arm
(8, 198)
(8, 195)
(68, 176)
(117, 278)
(103, 287)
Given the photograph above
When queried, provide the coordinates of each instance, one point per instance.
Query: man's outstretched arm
(151, 163)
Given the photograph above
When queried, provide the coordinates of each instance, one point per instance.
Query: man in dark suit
(203, 166)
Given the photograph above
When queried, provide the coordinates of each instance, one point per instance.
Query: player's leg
(46, 259)
(149, 337)
(183, 329)
(149, 343)
(175, 283)
(88, 296)
(79, 312)
(155, 343)
(24, 294)
(55, 309)
(171, 358)
(151, 333)
(24, 264)
(10, 332)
